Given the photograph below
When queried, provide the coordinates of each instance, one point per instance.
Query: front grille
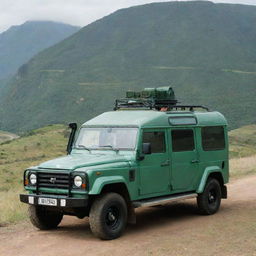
(53, 180)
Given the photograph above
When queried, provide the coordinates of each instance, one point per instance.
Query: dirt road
(175, 229)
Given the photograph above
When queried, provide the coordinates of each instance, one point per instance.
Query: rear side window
(183, 140)
(157, 140)
(213, 138)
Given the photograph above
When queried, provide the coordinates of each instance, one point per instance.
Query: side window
(183, 140)
(157, 140)
(213, 138)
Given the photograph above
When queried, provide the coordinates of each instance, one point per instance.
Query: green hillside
(31, 149)
(7, 136)
(19, 43)
(205, 51)
(243, 141)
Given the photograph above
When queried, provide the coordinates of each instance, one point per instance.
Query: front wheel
(209, 201)
(44, 219)
(108, 216)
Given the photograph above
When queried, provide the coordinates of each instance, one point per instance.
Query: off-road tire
(44, 219)
(108, 216)
(209, 201)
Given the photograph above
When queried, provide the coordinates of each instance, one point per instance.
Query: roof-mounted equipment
(154, 98)
(149, 98)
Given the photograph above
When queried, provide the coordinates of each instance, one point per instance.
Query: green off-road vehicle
(148, 151)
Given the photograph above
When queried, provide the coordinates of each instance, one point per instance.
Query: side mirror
(73, 127)
(146, 148)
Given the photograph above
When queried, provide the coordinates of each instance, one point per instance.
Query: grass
(242, 166)
(242, 141)
(7, 136)
(11, 210)
(50, 142)
(15, 156)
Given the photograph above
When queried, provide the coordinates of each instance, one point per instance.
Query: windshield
(107, 138)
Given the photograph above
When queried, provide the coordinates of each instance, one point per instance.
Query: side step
(162, 200)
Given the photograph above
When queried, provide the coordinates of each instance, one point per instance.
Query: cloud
(76, 12)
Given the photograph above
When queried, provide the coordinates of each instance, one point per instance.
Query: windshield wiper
(84, 147)
(110, 146)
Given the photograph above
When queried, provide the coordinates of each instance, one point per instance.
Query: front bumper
(62, 201)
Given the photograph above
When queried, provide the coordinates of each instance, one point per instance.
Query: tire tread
(202, 199)
(42, 219)
(96, 222)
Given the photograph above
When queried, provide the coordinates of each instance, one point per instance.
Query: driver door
(155, 167)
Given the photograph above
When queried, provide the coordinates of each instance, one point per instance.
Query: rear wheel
(209, 201)
(44, 219)
(108, 216)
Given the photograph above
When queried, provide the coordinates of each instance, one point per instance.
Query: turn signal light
(84, 186)
(26, 182)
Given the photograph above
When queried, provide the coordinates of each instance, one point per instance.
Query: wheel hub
(212, 196)
(112, 217)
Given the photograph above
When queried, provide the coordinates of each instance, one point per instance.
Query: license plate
(47, 201)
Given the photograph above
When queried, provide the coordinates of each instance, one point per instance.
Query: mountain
(205, 51)
(19, 43)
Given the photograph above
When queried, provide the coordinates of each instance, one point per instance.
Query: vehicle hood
(75, 161)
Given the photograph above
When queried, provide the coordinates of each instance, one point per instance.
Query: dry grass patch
(7, 136)
(242, 166)
(11, 209)
(242, 141)
(15, 156)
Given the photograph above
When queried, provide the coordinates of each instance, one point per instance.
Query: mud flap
(224, 192)
(131, 214)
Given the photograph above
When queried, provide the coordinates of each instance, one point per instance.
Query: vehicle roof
(153, 118)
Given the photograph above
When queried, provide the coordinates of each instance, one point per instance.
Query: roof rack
(143, 103)
(161, 98)
(189, 107)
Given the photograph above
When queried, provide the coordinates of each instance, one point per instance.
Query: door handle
(195, 161)
(166, 163)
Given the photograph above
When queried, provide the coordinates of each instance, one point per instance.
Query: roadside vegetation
(15, 156)
(243, 151)
(49, 142)
(243, 141)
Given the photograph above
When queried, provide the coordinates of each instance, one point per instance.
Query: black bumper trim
(69, 202)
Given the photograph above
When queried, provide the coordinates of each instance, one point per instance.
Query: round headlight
(78, 181)
(32, 179)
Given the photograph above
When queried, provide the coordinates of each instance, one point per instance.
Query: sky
(75, 12)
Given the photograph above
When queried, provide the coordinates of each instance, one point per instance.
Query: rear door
(155, 167)
(184, 159)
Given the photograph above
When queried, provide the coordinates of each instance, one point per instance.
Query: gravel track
(174, 229)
